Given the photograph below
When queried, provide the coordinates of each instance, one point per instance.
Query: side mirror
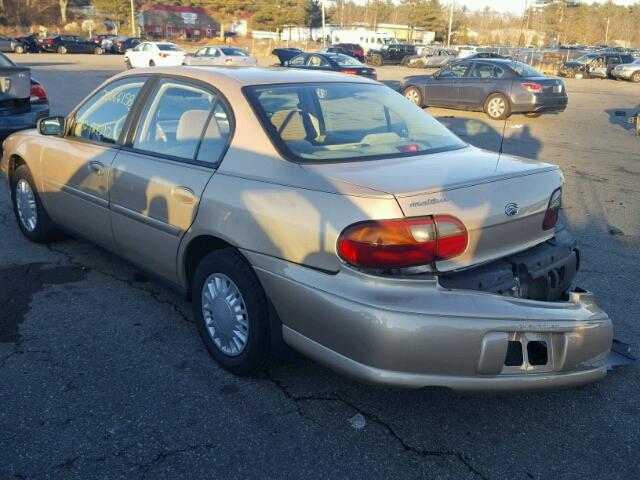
(51, 126)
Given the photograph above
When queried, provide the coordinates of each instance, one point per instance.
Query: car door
(475, 84)
(442, 91)
(612, 61)
(158, 178)
(140, 55)
(199, 57)
(75, 167)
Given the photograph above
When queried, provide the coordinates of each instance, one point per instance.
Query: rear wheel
(62, 50)
(375, 60)
(98, 51)
(18, 49)
(414, 95)
(127, 63)
(33, 220)
(578, 76)
(152, 63)
(497, 107)
(230, 308)
(635, 78)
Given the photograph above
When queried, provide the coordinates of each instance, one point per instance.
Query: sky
(516, 6)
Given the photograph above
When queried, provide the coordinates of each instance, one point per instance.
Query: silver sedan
(221, 55)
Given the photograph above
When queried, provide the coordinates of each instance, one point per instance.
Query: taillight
(553, 210)
(50, 41)
(349, 71)
(385, 244)
(374, 73)
(163, 55)
(37, 93)
(533, 87)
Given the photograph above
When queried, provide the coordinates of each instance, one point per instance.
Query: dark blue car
(496, 86)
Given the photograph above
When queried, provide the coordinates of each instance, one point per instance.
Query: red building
(170, 21)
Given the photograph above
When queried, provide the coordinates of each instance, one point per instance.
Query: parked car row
(598, 65)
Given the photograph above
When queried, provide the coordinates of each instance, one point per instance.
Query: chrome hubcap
(26, 205)
(413, 96)
(496, 107)
(225, 314)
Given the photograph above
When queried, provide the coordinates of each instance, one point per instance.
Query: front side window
(456, 70)
(174, 120)
(103, 116)
(346, 121)
(297, 61)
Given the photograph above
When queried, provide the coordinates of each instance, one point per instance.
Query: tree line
(545, 22)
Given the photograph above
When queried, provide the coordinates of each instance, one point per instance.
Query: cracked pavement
(103, 375)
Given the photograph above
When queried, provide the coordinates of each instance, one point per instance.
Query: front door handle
(183, 195)
(96, 167)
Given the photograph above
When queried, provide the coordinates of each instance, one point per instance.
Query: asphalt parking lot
(103, 375)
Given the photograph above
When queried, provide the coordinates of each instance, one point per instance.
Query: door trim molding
(101, 202)
(152, 222)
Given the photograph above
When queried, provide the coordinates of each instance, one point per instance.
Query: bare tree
(63, 10)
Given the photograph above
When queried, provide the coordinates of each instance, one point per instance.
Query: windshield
(168, 47)
(234, 52)
(346, 121)
(525, 70)
(345, 60)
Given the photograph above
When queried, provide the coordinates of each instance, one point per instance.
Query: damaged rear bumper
(415, 333)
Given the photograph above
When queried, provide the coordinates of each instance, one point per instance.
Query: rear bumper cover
(415, 333)
(22, 121)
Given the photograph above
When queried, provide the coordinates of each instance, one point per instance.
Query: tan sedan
(324, 211)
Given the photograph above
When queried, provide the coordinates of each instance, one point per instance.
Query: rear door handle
(96, 167)
(183, 195)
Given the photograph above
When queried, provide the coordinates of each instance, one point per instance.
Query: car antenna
(519, 47)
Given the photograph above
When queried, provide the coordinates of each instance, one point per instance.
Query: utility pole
(606, 34)
(450, 24)
(133, 19)
(324, 35)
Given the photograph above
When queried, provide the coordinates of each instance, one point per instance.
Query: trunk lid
(500, 199)
(15, 88)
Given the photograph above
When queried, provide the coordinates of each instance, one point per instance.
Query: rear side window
(103, 116)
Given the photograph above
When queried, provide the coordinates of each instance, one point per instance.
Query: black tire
(256, 352)
(533, 114)
(152, 63)
(375, 60)
(127, 63)
(98, 51)
(506, 113)
(635, 78)
(414, 95)
(45, 230)
(62, 50)
(18, 49)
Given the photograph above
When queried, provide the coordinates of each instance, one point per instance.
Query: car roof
(247, 76)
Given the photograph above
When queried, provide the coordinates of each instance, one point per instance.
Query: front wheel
(497, 107)
(414, 95)
(127, 63)
(18, 49)
(98, 51)
(635, 78)
(230, 308)
(32, 218)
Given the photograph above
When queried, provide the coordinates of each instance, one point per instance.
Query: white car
(150, 54)
(221, 55)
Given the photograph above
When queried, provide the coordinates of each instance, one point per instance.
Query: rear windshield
(525, 70)
(234, 52)
(5, 62)
(168, 46)
(346, 121)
